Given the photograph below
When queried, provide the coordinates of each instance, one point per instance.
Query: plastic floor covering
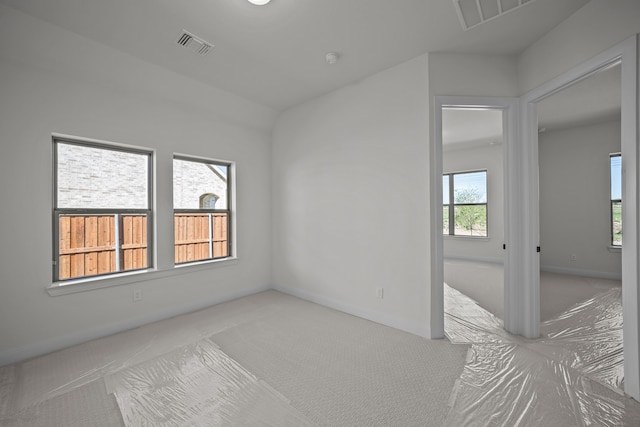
(571, 376)
(179, 376)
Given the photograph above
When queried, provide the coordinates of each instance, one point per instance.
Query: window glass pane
(445, 189)
(616, 177)
(470, 187)
(198, 185)
(470, 220)
(445, 219)
(200, 236)
(100, 178)
(616, 223)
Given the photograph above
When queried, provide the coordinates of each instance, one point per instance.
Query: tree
(470, 217)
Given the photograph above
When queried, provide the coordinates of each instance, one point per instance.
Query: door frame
(509, 107)
(529, 264)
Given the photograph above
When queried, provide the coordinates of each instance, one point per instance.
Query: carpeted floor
(329, 367)
(484, 282)
(271, 359)
(344, 371)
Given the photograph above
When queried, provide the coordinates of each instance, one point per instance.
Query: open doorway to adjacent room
(473, 204)
(580, 192)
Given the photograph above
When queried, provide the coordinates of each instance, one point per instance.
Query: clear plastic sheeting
(588, 337)
(465, 322)
(37, 380)
(571, 376)
(509, 385)
(198, 385)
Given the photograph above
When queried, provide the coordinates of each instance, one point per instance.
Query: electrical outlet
(380, 293)
(137, 295)
(574, 257)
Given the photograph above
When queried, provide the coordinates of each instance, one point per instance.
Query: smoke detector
(332, 58)
(476, 12)
(196, 44)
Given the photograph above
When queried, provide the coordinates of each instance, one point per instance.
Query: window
(464, 210)
(615, 163)
(208, 201)
(101, 212)
(201, 209)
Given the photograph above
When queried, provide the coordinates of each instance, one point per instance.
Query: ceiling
(595, 99)
(274, 55)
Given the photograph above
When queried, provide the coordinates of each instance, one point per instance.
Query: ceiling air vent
(476, 12)
(194, 43)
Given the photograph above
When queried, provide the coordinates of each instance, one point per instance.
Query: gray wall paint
(487, 157)
(70, 94)
(597, 26)
(351, 186)
(574, 199)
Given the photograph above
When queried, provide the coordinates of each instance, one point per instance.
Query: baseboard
(405, 325)
(581, 272)
(58, 343)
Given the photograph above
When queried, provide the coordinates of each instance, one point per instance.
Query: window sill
(615, 249)
(88, 284)
(478, 238)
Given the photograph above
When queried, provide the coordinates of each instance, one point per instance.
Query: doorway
(528, 263)
(506, 109)
(473, 204)
(580, 191)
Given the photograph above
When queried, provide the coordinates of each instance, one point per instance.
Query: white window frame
(452, 205)
(611, 202)
(229, 210)
(60, 212)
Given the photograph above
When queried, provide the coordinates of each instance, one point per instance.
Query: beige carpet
(273, 359)
(329, 367)
(344, 371)
(484, 283)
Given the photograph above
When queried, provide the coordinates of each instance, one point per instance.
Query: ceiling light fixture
(259, 2)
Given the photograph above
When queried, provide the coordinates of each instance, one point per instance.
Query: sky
(464, 181)
(616, 177)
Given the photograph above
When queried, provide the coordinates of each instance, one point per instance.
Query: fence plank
(91, 264)
(90, 231)
(64, 232)
(87, 244)
(191, 234)
(220, 246)
(77, 232)
(64, 267)
(105, 230)
(104, 262)
(77, 265)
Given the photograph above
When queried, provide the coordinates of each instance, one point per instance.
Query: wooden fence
(200, 236)
(100, 244)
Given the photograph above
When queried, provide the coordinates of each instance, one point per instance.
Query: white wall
(56, 81)
(598, 25)
(574, 200)
(472, 75)
(487, 157)
(456, 74)
(350, 200)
